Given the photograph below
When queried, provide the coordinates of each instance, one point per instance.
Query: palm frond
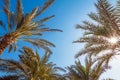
(29, 17)
(45, 19)
(19, 12)
(6, 10)
(107, 12)
(46, 5)
(40, 43)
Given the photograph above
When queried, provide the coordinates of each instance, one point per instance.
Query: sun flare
(113, 40)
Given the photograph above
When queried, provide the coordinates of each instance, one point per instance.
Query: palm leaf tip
(79, 26)
(47, 18)
(19, 7)
(76, 41)
(46, 5)
(58, 30)
(76, 56)
(30, 16)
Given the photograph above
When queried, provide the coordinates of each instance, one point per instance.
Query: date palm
(21, 26)
(30, 66)
(102, 34)
(92, 70)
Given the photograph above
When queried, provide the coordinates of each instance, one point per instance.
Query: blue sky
(67, 13)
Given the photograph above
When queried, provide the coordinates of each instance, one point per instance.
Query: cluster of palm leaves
(98, 34)
(92, 70)
(21, 26)
(31, 66)
(101, 34)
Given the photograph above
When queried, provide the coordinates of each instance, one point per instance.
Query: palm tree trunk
(7, 40)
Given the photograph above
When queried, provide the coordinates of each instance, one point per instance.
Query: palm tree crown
(23, 27)
(102, 34)
(92, 70)
(31, 66)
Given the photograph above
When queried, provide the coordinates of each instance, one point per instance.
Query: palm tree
(101, 35)
(92, 70)
(23, 27)
(31, 66)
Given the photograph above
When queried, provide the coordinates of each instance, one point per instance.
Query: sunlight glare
(113, 40)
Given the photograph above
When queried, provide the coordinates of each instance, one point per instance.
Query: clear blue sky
(68, 14)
